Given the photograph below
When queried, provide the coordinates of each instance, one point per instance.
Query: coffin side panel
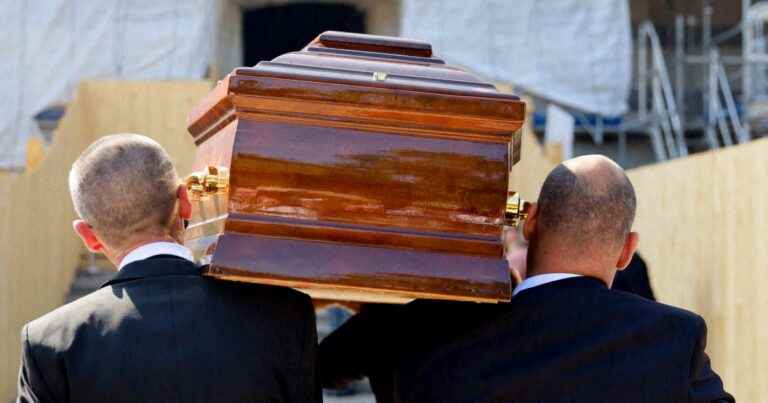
(362, 235)
(369, 178)
(359, 269)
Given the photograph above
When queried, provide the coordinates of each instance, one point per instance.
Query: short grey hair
(582, 210)
(123, 185)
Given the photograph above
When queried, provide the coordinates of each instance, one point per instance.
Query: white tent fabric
(48, 47)
(573, 52)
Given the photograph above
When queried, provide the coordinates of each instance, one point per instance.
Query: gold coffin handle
(516, 210)
(214, 180)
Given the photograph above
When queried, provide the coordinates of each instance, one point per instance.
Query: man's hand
(516, 253)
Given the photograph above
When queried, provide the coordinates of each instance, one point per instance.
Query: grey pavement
(357, 398)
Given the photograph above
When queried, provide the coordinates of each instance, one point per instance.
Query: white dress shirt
(541, 279)
(154, 249)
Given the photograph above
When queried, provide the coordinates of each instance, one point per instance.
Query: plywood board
(703, 224)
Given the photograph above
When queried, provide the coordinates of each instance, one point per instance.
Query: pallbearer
(158, 331)
(359, 168)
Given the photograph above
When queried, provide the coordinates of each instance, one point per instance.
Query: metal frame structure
(722, 123)
(665, 126)
(718, 102)
(662, 113)
(754, 52)
(719, 115)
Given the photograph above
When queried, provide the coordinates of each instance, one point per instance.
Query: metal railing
(718, 115)
(660, 111)
(754, 57)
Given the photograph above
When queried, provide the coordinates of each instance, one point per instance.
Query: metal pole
(706, 43)
(663, 114)
(622, 137)
(706, 26)
(746, 67)
(730, 104)
(712, 110)
(668, 97)
(680, 66)
(725, 132)
(642, 74)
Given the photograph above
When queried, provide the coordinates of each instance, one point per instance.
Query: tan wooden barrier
(38, 250)
(703, 224)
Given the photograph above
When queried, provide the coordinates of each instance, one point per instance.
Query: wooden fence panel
(703, 224)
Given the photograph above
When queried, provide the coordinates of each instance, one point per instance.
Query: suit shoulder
(60, 324)
(252, 290)
(651, 307)
(282, 299)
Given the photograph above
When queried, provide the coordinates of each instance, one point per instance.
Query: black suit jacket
(573, 340)
(634, 279)
(160, 332)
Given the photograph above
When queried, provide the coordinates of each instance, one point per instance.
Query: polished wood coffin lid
(359, 168)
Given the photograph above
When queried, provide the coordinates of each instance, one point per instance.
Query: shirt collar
(156, 248)
(541, 279)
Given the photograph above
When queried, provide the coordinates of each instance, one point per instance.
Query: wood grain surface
(384, 152)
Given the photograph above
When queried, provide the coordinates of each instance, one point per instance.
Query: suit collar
(153, 249)
(541, 279)
(581, 282)
(155, 266)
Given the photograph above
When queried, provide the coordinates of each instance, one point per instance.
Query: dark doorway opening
(271, 31)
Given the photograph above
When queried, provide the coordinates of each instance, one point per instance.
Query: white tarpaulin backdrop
(48, 47)
(574, 52)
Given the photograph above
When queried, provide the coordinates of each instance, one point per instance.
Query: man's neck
(133, 245)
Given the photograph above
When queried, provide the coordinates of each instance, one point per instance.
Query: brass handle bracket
(214, 180)
(516, 209)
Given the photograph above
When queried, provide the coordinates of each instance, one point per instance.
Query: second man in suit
(564, 337)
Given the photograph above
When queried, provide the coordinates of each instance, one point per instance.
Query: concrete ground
(358, 398)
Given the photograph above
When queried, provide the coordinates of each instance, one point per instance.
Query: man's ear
(529, 226)
(628, 250)
(185, 206)
(84, 230)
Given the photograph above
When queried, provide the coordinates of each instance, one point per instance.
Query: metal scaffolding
(725, 118)
(711, 99)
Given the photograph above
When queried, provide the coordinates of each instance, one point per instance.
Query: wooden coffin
(360, 168)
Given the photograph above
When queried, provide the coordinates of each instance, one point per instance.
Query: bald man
(158, 331)
(564, 337)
